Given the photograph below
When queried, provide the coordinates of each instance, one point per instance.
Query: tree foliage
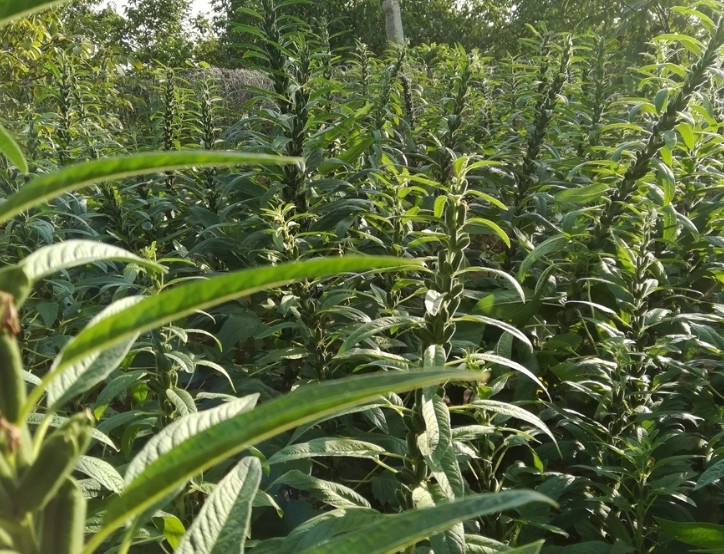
(496, 26)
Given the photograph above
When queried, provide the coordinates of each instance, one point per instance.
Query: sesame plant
(45, 446)
(424, 300)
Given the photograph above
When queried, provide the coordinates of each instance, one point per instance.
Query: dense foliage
(496, 26)
(467, 304)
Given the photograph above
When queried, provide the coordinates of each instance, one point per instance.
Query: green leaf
(706, 21)
(701, 535)
(332, 494)
(690, 43)
(399, 531)
(434, 357)
(582, 195)
(100, 470)
(473, 224)
(223, 521)
(198, 295)
(15, 9)
(666, 179)
(58, 421)
(71, 253)
(182, 401)
(299, 431)
(503, 408)
(439, 206)
(366, 330)
(532, 548)
(483, 196)
(711, 474)
(448, 476)
(497, 323)
(66, 381)
(10, 148)
(355, 150)
(184, 428)
(686, 132)
(506, 362)
(323, 527)
(326, 447)
(549, 246)
(168, 463)
(507, 304)
(172, 528)
(436, 438)
(78, 176)
(450, 541)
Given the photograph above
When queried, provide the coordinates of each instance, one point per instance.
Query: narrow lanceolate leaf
(10, 148)
(72, 253)
(324, 526)
(472, 224)
(183, 429)
(58, 421)
(14, 9)
(78, 176)
(532, 548)
(550, 246)
(104, 473)
(399, 531)
(710, 475)
(446, 471)
(222, 523)
(324, 447)
(511, 410)
(65, 381)
(332, 494)
(437, 437)
(366, 330)
(198, 295)
(506, 362)
(171, 463)
(582, 195)
(701, 535)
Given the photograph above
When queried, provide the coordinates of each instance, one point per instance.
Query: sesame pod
(56, 459)
(63, 526)
(461, 214)
(12, 385)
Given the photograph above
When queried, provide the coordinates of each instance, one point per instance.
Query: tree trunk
(393, 21)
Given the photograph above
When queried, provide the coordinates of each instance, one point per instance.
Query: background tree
(633, 22)
(493, 26)
(100, 23)
(159, 29)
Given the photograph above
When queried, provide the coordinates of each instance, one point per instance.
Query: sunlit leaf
(161, 467)
(9, 147)
(401, 530)
(71, 253)
(223, 521)
(701, 535)
(75, 177)
(14, 9)
(188, 298)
